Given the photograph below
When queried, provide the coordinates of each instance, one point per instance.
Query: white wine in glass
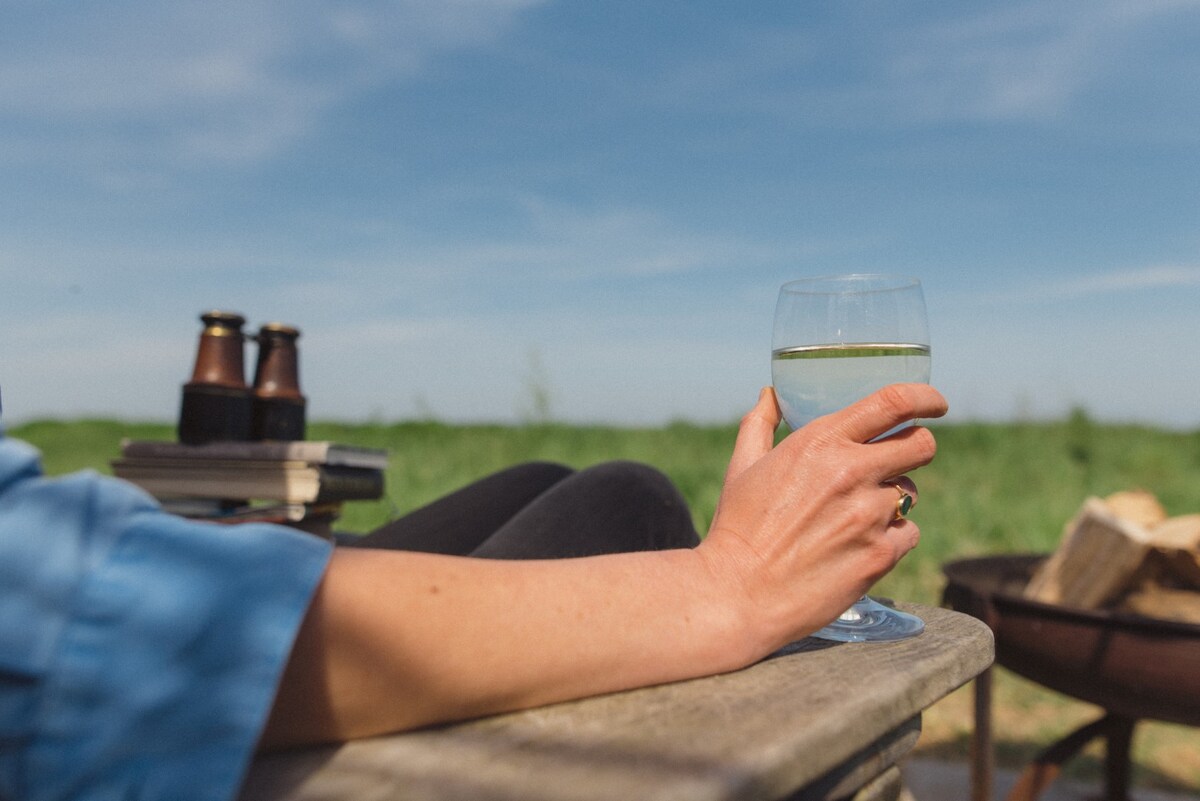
(838, 339)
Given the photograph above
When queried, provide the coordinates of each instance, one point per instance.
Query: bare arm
(396, 640)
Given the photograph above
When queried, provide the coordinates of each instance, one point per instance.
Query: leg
(1042, 772)
(609, 508)
(459, 522)
(1117, 765)
(982, 754)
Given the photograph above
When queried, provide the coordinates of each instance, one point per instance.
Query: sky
(502, 210)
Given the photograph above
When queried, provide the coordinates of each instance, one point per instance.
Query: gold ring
(903, 504)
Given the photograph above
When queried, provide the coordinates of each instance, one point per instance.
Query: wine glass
(838, 339)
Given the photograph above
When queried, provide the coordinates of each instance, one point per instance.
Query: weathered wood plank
(760, 733)
(848, 778)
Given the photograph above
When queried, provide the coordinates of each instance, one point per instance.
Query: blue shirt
(139, 652)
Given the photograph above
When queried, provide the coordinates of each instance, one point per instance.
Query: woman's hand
(395, 640)
(803, 529)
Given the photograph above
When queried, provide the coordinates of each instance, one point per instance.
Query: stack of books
(240, 481)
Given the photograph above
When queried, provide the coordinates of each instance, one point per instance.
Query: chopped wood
(1163, 603)
(1180, 533)
(1136, 506)
(1098, 558)
(1123, 552)
(1176, 542)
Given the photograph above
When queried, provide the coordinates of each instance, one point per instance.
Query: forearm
(397, 640)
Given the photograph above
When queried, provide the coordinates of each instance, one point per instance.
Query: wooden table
(819, 721)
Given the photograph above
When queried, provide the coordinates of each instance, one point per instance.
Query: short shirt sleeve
(139, 652)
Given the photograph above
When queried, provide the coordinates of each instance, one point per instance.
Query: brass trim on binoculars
(219, 323)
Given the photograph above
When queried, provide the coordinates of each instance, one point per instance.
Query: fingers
(903, 536)
(887, 408)
(865, 421)
(756, 433)
(900, 453)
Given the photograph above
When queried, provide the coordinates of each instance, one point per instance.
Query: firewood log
(1097, 560)
(1163, 603)
(1124, 552)
(1176, 542)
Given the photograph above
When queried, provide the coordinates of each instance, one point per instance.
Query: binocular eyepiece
(219, 405)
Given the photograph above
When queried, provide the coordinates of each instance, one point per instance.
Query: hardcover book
(310, 451)
(286, 481)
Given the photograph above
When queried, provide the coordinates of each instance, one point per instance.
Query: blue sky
(459, 202)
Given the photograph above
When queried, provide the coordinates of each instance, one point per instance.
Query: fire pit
(1134, 667)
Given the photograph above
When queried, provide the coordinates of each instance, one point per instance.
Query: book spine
(311, 451)
(349, 484)
(152, 449)
(320, 484)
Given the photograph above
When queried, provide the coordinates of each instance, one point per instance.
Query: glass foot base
(871, 621)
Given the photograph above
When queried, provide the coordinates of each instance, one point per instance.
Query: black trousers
(541, 510)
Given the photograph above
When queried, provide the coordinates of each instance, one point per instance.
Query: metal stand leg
(983, 759)
(1118, 734)
(1118, 766)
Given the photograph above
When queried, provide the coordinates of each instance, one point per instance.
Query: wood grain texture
(807, 717)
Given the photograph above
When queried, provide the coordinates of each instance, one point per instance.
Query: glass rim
(840, 284)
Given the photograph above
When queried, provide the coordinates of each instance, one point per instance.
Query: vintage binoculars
(219, 405)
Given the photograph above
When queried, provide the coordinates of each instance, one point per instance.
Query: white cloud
(1039, 288)
(1153, 277)
(228, 80)
(1134, 279)
(556, 243)
(1031, 61)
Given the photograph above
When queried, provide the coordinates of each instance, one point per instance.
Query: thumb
(756, 434)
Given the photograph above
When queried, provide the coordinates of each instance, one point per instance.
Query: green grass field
(992, 489)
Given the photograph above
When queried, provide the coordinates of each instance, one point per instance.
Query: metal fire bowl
(1134, 666)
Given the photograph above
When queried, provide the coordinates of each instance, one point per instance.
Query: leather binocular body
(217, 402)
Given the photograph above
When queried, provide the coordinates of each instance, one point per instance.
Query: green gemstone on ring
(905, 503)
